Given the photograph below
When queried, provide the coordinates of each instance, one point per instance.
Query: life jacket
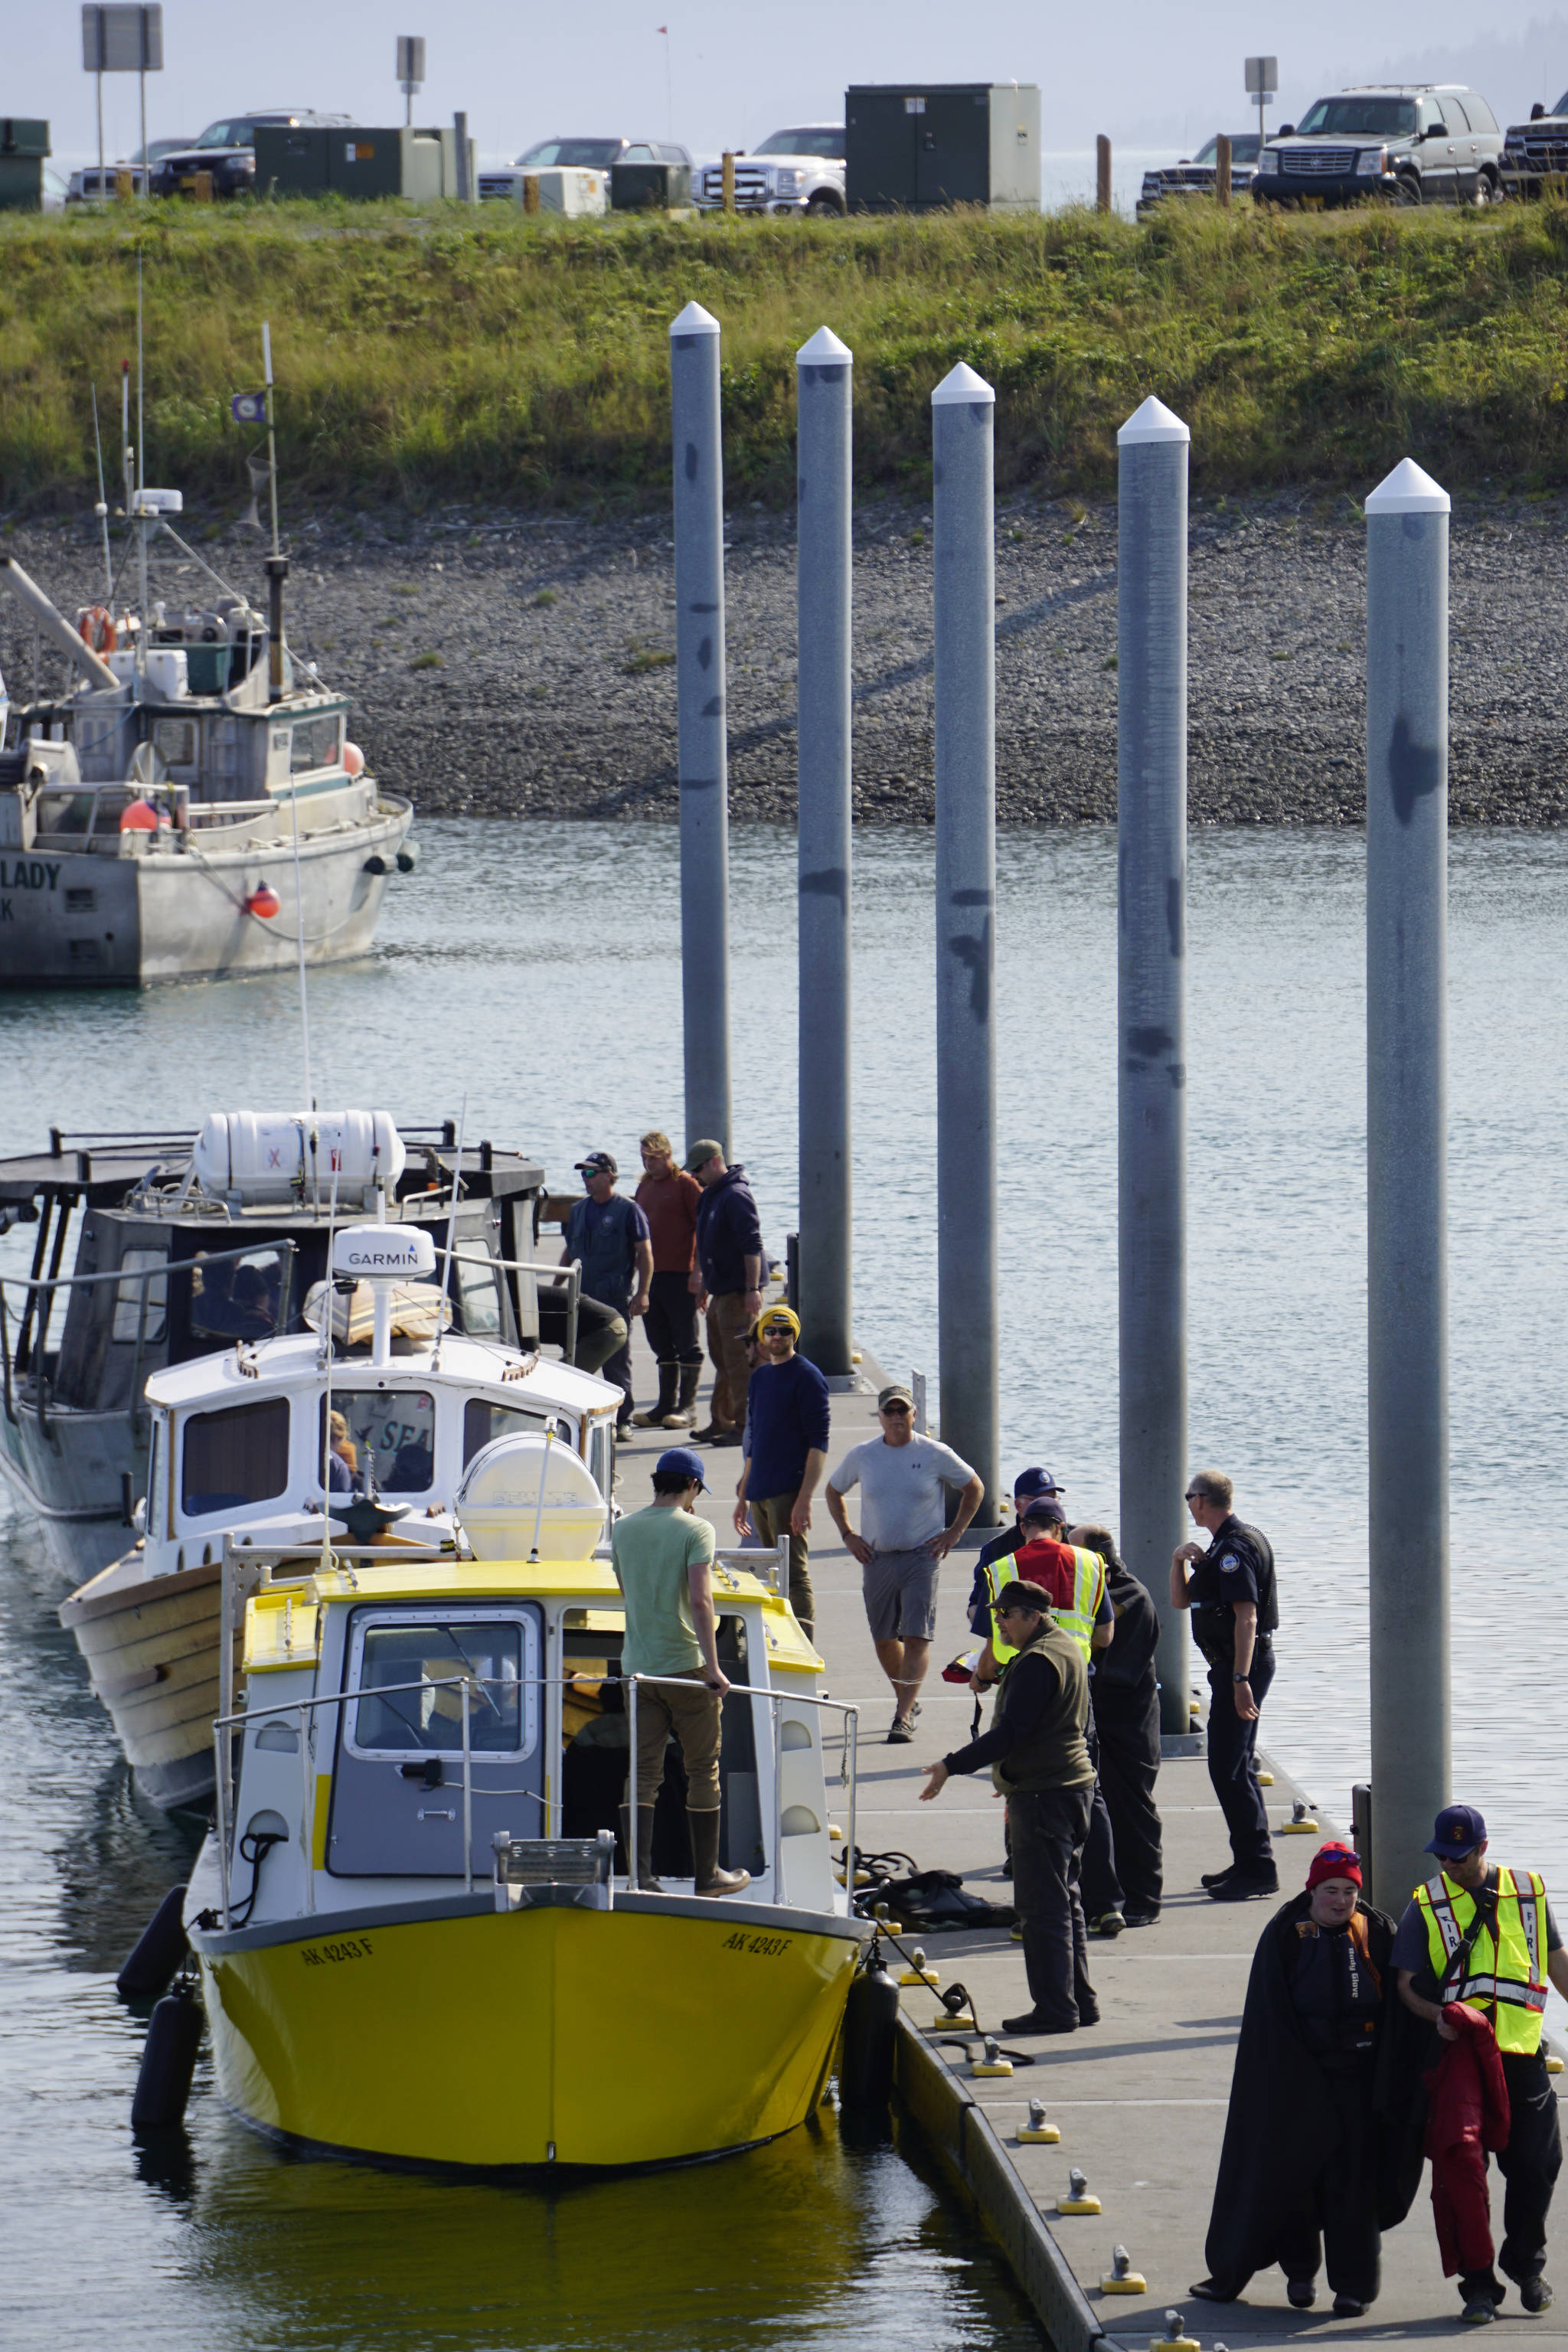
(1075, 1592)
(1502, 1971)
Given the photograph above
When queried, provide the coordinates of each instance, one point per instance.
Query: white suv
(796, 171)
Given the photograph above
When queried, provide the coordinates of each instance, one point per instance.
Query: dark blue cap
(1035, 1482)
(681, 1462)
(1457, 1831)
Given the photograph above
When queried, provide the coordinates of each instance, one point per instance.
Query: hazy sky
(1147, 72)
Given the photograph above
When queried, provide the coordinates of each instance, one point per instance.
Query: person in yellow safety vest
(1484, 1934)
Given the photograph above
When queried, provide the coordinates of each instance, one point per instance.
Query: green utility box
(23, 147)
(351, 161)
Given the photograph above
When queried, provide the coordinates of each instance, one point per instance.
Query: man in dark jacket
(786, 1452)
(991, 1571)
(1039, 1756)
(727, 1281)
(1127, 1716)
(608, 1235)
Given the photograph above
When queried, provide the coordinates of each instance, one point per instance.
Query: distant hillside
(490, 355)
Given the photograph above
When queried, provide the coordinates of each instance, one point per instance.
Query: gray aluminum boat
(188, 803)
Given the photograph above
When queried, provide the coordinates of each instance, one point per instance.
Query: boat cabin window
(483, 1421)
(238, 1299)
(128, 1310)
(174, 741)
(233, 1458)
(478, 1287)
(391, 1431)
(499, 1656)
(314, 743)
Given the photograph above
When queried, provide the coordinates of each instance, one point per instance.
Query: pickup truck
(798, 170)
(1196, 175)
(1536, 151)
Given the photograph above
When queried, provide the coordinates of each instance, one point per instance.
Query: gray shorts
(900, 1592)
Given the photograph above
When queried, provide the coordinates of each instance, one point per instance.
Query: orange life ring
(98, 629)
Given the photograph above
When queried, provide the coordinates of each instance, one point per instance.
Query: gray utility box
(915, 150)
(349, 161)
(23, 147)
(649, 187)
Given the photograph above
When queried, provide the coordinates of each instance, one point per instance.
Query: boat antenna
(127, 455)
(102, 504)
(293, 779)
(271, 430)
(451, 1228)
(543, 1480)
(324, 1359)
(141, 469)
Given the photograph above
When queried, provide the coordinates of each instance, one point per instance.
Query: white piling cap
(960, 384)
(825, 350)
(694, 321)
(1407, 490)
(1153, 422)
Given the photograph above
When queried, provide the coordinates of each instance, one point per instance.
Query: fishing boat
(415, 1932)
(182, 1242)
(188, 803)
(331, 1396)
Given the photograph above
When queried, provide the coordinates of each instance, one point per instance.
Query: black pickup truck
(1535, 153)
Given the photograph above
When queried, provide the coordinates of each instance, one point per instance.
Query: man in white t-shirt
(903, 1539)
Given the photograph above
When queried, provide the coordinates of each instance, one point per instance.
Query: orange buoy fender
(264, 901)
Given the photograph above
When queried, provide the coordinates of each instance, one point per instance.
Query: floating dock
(1140, 2099)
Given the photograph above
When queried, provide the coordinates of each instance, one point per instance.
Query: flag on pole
(249, 407)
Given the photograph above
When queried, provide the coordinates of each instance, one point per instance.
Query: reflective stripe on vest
(1077, 1618)
(1505, 1973)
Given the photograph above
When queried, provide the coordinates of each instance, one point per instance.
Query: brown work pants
(690, 1711)
(728, 1323)
(770, 1517)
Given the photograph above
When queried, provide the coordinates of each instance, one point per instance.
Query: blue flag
(249, 407)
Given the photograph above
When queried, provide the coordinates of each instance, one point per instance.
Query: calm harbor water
(535, 966)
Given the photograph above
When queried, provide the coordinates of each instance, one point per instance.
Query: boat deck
(1141, 2098)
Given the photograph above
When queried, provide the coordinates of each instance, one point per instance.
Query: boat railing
(224, 1726)
(167, 1270)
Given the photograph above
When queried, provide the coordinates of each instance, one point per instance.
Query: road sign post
(123, 39)
(1262, 83)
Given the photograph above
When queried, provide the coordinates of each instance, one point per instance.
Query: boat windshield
(483, 1421)
(429, 1720)
(388, 1432)
(238, 1299)
(1353, 117)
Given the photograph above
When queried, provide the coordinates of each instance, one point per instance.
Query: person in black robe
(1310, 2168)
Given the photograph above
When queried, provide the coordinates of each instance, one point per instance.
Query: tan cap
(895, 1393)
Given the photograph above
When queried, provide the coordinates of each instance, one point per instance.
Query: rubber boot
(685, 1412)
(647, 1882)
(654, 1418)
(710, 1879)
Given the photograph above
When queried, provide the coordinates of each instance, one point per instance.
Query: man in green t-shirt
(663, 1559)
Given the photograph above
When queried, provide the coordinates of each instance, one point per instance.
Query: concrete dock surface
(1141, 2098)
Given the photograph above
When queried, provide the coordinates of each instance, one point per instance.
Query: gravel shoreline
(522, 664)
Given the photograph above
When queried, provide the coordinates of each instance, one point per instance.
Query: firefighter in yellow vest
(1484, 1934)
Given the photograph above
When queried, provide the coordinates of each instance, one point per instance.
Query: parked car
(1537, 150)
(796, 171)
(228, 149)
(1414, 142)
(91, 187)
(504, 185)
(1195, 175)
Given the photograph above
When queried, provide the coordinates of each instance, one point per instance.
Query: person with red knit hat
(1300, 2180)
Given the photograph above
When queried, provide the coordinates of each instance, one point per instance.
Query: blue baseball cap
(1035, 1482)
(1457, 1831)
(681, 1462)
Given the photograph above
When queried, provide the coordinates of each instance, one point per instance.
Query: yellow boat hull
(547, 2036)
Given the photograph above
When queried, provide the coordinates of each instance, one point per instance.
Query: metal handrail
(305, 1710)
(174, 1265)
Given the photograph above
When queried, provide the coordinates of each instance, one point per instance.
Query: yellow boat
(414, 1939)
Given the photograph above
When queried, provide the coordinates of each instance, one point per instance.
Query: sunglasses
(894, 1412)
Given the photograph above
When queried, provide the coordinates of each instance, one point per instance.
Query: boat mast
(102, 508)
(277, 572)
(141, 479)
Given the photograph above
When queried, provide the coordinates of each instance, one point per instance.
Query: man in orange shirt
(667, 1198)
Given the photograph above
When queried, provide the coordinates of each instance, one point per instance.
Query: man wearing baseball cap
(786, 1441)
(993, 1567)
(1483, 1935)
(728, 1282)
(608, 1235)
(663, 1559)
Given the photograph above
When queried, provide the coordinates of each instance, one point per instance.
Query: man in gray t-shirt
(904, 1538)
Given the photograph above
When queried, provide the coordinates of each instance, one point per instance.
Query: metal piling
(823, 479)
(1151, 833)
(698, 474)
(1406, 1178)
(962, 420)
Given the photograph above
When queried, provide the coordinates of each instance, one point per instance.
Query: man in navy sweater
(727, 1280)
(789, 1421)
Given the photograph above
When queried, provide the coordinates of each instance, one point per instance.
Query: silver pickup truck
(800, 170)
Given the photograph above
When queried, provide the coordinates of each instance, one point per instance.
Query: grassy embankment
(449, 354)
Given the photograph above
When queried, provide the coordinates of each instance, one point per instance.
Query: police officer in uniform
(1484, 1934)
(1229, 1588)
